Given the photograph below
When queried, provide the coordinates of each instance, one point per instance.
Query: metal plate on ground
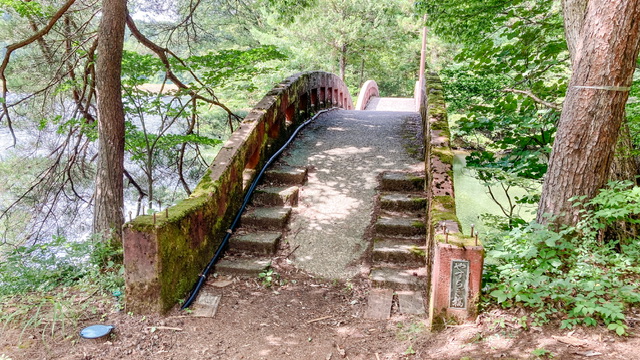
(379, 304)
(207, 304)
(410, 302)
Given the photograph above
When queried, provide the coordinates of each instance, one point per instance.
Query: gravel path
(345, 151)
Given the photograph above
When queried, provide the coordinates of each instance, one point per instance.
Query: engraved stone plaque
(459, 284)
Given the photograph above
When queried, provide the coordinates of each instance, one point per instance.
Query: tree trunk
(108, 214)
(593, 111)
(343, 61)
(574, 12)
(623, 166)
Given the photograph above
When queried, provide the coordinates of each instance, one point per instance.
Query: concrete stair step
(266, 218)
(401, 181)
(286, 175)
(397, 201)
(276, 196)
(399, 279)
(256, 243)
(403, 253)
(250, 267)
(400, 227)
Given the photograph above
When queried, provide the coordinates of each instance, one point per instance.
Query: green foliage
(231, 66)
(60, 262)
(542, 353)
(570, 274)
(24, 8)
(505, 81)
(268, 277)
(376, 40)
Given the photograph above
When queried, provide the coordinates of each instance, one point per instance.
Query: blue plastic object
(96, 331)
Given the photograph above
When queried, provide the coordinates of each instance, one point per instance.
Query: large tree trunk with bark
(604, 59)
(109, 199)
(623, 166)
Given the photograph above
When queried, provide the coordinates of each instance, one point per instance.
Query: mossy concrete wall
(164, 254)
(445, 241)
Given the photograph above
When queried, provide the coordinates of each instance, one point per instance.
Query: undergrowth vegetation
(51, 286)
(574, 274)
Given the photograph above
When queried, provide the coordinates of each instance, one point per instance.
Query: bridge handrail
(164, 253)
(368, 90)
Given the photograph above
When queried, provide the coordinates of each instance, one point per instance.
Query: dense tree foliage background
(190, 70)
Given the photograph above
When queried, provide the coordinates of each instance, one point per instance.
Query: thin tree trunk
(108, 215)
(343, 61)
(593, 111)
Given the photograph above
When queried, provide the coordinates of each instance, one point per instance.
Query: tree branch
(12, 47)
(534, 98)
(162, 55)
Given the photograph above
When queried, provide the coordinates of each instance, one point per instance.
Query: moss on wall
(442, 208)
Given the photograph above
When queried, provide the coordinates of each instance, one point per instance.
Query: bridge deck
(391, 104)
(345, 151)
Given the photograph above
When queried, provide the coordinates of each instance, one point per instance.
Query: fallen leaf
(570, 340)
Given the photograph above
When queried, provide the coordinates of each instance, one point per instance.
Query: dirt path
(304, 319)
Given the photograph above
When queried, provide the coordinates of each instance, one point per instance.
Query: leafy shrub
(571, 274)
(60, 262)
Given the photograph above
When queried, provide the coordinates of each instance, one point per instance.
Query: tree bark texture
(623, 166)
(603, 65)
(109, 198)
(574, 12)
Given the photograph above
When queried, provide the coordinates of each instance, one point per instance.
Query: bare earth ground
(305, 319)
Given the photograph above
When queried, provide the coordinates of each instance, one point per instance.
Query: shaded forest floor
(298, 318)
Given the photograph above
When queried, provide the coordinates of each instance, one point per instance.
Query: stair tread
(394, 245)
(400, 226)
(242, 266)
(400, 252)
(403, 200)
(274, 189)
(261, 242)
(262, 236)
(266, 218)
(402, 181)
(268, 212)
(276, 196)
(399, 279)
(286, 175)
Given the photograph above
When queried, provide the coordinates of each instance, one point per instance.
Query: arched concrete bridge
(350, 197)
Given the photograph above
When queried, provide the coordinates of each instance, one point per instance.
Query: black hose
(247, 197)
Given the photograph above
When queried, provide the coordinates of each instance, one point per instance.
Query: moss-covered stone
(444, 154)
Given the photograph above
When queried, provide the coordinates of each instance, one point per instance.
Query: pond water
(473, 199)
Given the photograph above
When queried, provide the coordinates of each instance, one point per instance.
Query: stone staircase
(256, 241)
(398, 255)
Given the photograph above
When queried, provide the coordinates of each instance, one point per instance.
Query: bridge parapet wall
(455, 260)
(368, 90)
(165, 253)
